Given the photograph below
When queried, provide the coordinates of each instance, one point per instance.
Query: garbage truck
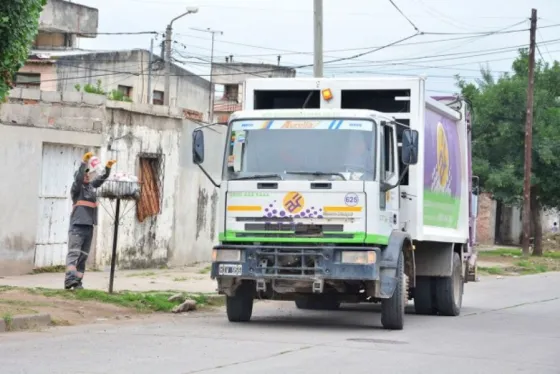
(344, 191)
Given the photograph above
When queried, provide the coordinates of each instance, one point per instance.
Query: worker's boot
(71, 281)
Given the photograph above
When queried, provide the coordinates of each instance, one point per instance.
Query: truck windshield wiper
(257, 176)
(316, 173)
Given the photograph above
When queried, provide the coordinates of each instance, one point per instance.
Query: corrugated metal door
(58, 167)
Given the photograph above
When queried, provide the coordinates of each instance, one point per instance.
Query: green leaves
(499, 129)
(19, 21)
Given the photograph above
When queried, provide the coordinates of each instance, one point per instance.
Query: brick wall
(486, 221)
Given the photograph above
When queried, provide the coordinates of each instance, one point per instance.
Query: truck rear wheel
(392, 309)
(317, 303)
(449, 290)
(423, 296)
(240, 306)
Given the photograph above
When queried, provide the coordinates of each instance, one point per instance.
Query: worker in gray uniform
(82, 220)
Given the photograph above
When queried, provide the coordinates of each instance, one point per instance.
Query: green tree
(499, 107)
(19, 21)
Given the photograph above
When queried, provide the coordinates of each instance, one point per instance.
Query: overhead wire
(404, 15)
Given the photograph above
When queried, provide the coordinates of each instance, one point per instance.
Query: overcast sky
(259, 30)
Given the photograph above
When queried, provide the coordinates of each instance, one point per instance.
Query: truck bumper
(296, 262)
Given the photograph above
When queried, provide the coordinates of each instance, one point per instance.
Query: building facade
(232, 77)
(44, 135)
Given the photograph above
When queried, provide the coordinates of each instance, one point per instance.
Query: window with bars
(151, 178)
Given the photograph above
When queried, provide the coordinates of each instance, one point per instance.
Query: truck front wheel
(392, 309)
(240, 306)
(449, 290)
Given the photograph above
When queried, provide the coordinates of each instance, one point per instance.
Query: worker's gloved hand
(87, 156)
(110, 163)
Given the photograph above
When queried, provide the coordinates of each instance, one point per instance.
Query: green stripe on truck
(359, 238)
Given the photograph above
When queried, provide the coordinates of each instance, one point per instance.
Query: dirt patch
(63, 311)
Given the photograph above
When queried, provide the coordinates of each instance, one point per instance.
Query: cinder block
(175, 112)
(93, 99)
(51, 96)
(141, 108)
(73, 97)
(97, 126)
(160, 110)
(30, 94)
(15, 114)
(15, 93)
(113, 104)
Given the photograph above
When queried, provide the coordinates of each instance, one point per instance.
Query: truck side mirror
(198, 146)
(409, 150)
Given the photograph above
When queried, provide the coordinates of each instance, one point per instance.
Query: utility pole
(211, 95)
(150, 63)
(318, 38)
(529, 138)
(168, 31)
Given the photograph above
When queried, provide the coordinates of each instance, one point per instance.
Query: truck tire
(423, 296)
(314, 303)
(240, 306)
(449, 290)
(392, 309)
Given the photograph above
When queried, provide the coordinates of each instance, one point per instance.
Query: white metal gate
(55, 204)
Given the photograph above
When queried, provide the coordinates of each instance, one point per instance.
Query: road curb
(25, 322)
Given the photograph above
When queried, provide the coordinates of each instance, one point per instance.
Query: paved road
(508, 325)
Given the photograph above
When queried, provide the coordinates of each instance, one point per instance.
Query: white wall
(20, 168)
(197, 201)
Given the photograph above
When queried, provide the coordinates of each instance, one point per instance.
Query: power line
(122, 33)
(404, 15)
(450, 56)
(486, 32)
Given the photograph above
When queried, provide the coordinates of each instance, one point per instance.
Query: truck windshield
(332, 149)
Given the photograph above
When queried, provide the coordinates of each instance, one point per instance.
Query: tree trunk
(536, 221)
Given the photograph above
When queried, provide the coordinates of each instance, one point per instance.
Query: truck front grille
(293, 261)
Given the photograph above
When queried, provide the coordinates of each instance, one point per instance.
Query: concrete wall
(237, 73)
(181, 234)
(67, 17)
(508, 220)
(188, 90)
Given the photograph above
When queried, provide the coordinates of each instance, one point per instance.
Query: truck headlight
(226, 255)
(358, 257)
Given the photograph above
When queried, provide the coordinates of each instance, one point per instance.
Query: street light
(167, 94)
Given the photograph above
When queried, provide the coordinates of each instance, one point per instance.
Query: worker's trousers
(79, 245)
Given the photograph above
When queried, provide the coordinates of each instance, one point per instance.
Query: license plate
(229, 269)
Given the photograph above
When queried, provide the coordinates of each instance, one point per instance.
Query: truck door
(389, 175)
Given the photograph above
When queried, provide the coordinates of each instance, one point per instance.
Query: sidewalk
(195, 279)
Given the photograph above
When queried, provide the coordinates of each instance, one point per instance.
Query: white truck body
(443, 136)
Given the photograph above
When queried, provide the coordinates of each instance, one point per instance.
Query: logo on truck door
(293, 202)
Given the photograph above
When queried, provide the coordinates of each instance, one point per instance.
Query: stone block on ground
(186, 306)
(26, 322)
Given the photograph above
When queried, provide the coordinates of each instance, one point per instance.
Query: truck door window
(382, 168)
(389, 148)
